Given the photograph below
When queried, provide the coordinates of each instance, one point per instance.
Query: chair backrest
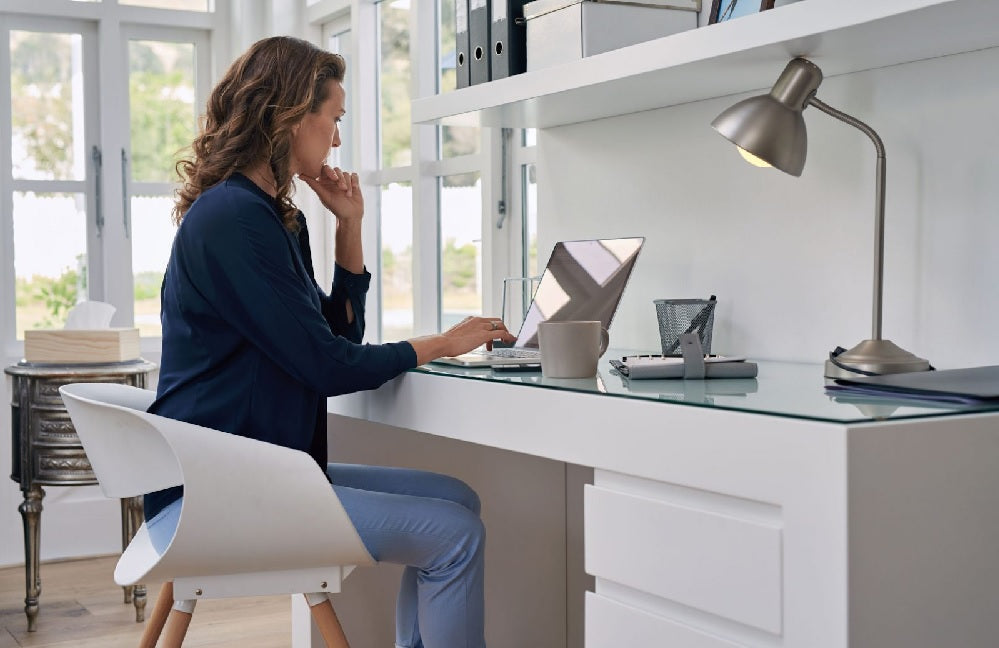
(249, 506)
(128, 456)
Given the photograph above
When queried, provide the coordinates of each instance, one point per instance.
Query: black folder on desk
(478, 41)
(461, 60)
(970, 385)
(508, 54)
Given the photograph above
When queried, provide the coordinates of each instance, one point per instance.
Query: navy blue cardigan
(251, 344)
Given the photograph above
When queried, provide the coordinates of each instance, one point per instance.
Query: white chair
(257, 519)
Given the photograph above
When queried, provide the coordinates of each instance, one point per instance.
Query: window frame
(110, 255)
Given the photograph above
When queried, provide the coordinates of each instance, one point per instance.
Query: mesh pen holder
(679, 316)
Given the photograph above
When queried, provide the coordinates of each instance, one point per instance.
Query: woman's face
(317, 133)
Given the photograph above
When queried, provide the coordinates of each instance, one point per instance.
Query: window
(396, 208)
(178, 5)
(433, 191)
(393, 83)
(529, 182)
(87, 152)
(162, 88)
(51, 135)
(461, 248)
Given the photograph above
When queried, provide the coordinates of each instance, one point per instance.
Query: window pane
(182, 5)
(342, 157)
(529, 193)
(47, 101)
(530, 181)
(446, 47)
(530, 136)
(152, 237)
(459, 140)
(397, 262)
(461, 248)
(161, 107)
(394, 120)
(50, 258)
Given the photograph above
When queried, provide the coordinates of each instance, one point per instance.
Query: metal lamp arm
(879, 206)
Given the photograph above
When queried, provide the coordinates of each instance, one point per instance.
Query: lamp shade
(770, 126)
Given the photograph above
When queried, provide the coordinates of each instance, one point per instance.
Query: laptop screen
(584, 280)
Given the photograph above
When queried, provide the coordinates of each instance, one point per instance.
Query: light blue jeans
(429, 523)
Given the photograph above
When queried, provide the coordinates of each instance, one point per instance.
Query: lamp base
(876, 357)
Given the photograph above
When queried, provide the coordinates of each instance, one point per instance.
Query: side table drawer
(45, 391)
(67, 466)
(725, 565)
(53, 428)
(610, 624)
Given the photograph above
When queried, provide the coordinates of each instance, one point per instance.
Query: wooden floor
(81, 607)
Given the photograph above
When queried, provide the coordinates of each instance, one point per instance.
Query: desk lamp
(769, 130)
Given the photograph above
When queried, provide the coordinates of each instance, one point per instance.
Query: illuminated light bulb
(752, 159)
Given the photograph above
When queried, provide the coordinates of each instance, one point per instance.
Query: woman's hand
(339, 191)
(468, 334)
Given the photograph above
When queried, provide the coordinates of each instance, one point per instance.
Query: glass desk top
(795, 390)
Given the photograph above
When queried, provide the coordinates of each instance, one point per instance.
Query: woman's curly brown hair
(250, 116)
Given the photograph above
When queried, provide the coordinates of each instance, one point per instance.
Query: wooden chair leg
(154, 626)
(329, 625)
(177, 623)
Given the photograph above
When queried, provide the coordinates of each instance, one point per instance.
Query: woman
(253, 346)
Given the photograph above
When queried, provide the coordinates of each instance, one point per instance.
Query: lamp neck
(797, 83)
(879, 207)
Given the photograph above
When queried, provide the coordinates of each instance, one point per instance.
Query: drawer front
(45, 392)
(53, 428)
(62, 466)
(610, 624)
(717, 563)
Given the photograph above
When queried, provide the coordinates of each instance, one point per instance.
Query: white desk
(747, 513)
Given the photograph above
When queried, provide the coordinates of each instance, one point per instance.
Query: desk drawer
(717, 563)
(610, 624)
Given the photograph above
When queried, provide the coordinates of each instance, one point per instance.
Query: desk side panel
(924, 533)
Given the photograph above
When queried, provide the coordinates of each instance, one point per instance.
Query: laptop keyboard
(510, 353)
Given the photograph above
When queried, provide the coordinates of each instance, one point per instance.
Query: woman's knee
(472, 501)
(465, 495)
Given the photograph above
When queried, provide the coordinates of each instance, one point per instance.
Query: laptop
(584, 280)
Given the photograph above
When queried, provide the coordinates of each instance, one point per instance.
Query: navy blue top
(251, 344)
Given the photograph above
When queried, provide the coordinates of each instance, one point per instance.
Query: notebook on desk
(584, 280)
(968, 385)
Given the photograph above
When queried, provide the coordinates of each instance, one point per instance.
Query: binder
(508, 32)
(461, 61)
(478, 41)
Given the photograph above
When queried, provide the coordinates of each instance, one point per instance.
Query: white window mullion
(452, 166)
(388, 176)
(426, 197)
(495, 243)
(363, 112)
(11, 349)
(115, 260)
(519, 157)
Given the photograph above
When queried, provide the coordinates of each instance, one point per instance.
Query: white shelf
(840, 36)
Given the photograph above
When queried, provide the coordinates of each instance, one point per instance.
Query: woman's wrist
(429, 347)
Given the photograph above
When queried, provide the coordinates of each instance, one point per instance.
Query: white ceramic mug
(571, 349)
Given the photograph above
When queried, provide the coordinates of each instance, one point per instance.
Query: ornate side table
(47, 452)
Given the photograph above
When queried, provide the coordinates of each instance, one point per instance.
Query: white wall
(791, 258)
